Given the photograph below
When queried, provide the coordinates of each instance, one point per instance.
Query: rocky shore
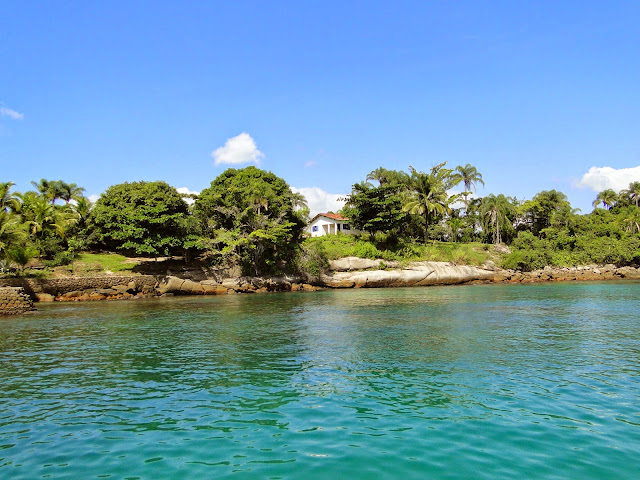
(348, 272)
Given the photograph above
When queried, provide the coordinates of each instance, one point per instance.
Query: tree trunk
(426, 226)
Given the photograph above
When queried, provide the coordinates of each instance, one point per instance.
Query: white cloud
(238, 150)
(310, 163)
(7, 112)
(320, 201)
(602, 178)
(93, 198)
(186, 191)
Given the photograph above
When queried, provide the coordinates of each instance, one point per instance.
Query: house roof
(333, 216)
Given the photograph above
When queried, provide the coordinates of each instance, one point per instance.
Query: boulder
(45, 297)
(355, 263)
(170, 285)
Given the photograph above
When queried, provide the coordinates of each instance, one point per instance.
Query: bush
(525, 260)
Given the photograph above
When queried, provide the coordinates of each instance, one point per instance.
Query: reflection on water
(452, 382)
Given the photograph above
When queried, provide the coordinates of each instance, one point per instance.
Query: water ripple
(537, 381)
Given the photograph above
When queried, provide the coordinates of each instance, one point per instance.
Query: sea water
(495, 381)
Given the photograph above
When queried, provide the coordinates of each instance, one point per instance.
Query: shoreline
(346, 273)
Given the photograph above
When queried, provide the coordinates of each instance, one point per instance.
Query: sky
(536, 95)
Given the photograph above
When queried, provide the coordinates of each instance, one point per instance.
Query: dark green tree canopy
(251, 215)
(145, 218)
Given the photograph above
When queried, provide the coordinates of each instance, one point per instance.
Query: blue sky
(534, 94)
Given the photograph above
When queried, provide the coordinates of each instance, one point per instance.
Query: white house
(330, 223)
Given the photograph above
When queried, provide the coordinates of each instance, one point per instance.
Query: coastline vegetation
(252, 219)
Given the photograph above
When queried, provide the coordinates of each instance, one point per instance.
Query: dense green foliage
(143, 218)
(251, 217)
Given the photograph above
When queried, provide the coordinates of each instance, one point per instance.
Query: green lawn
(337, 246)
(87, 263)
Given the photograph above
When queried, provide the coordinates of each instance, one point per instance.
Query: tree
(633, 192)
(547, 208)
(385, 177)
(49, 189)
(607, 197)
(428, 194)
(70, 191)
(7, 199)
(496, 210)
(11, 233)
(470, 177)
(143, 218)
(250, 216)
(376, 209)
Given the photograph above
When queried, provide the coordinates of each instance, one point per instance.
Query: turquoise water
(526, 381)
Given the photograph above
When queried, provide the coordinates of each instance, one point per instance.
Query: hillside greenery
(251, 218)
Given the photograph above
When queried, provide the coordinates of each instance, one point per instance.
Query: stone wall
(57, 287)
(14, 300)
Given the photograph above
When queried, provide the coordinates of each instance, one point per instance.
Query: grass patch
(91, 263)
(331, 247)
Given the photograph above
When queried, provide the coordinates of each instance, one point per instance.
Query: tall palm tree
(82, 209)
(470, 177)
(428, 194)
(50, 189)
(386, 177)
(6, 197)
(496, 210)
(70, 191)
(607, 197)
(634, 192)
(11, 233)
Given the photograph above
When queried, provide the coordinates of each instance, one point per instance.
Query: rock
(106, 291)
(501, 249)
(337, 281)
(421, 273)
(189, 287)
(171, 285)
(355, 263)
(628, 272)
(45, 297)
(214, 289)
(121, 288)
(70, 295)
(490, 265)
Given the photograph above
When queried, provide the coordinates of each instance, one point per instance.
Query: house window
(338, 227)
(314, 228)
(346, 226)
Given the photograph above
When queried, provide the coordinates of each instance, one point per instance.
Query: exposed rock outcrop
(417, 274)
(355, 263)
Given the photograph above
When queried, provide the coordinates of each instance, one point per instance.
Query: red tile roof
(334, 216)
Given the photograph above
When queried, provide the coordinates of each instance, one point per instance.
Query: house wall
(328, 226)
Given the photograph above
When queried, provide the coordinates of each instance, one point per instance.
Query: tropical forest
(252, 219)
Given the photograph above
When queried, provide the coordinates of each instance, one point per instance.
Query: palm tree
(631, 223)
(82, 209)
(6, 197)
(428, 194)
(496, 210)
(50, 189)
(70, 191)
(455, 224)
(470, 177)
(607, 197)
(634, 192)
(386, 177)
(11, 233)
